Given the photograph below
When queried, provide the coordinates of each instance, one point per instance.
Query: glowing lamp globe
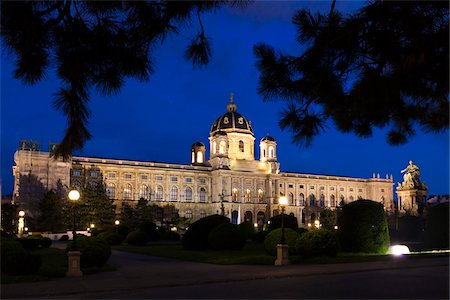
(282, 200)
(74, 195)
(21, 213)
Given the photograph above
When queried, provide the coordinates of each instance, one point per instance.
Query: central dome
(231, 121)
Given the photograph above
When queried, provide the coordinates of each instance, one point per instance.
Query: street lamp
(74, 195)
(21, 224)
(74, 255)
(282, 247)
(117, 223)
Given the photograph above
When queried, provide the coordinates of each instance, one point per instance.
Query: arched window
(188, 214)
(301, 199)
(312, 200)
(222, 147)
(192, 156)
(202, 214)
(202, 195)
(214, 147)
(350, 199)
(241, 146)
(111, 190)
(159, 193)
(322, 200)
(332, 201)
(271, 152)
(291, 199)
(199, 156)
(127, 191)
(248, 195)
(260, 195)
(235, 195)
(341, 200)
(143, 192)
(264, 153)
(188, 194)
(173, 195)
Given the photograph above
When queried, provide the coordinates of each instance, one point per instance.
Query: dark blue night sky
(159, 120)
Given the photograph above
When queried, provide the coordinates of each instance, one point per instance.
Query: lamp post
(74, 255)
(21, 224)
(282, 247)
(117, 223)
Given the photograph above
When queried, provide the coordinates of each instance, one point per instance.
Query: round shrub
(30, 243)
(288, 220)
(95, 252)
(437, 227)
(274, 237)
(137, 238)
(321, 242)
(247, 228)
(196, 237)
(227, 236)
(363, 227)
(150, 229)
(15, 260)
(112, 238)
(46, 242)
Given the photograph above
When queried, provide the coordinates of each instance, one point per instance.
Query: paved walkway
(135, 271)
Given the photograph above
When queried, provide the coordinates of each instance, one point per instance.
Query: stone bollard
(282, 255)
(73, 269)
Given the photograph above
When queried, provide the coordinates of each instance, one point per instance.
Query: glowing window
(188, 194)
(188, 214)
(94, 173)
(127, 192)
(248, 195)
(260, 195)
(111, 190)
(235, 195)
(192, 157)
(76, 173)
(159, 193)
(301, 199)
(332, 201)
(202, 214)
(143, 192)
(214, 147)
(199, 157)
(202, 195)
(173, 195)
(222, 147)
(271, 152)
(241, 146)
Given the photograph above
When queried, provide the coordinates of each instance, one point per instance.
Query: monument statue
(412, 173)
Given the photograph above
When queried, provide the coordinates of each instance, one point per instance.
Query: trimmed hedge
(289, 222)
(274, 237)
(15, 260)
(137, 238)
(95, 252)
(196, 237)
(363, 227)
(317, 242)
(30, 243)
(437, 227)
(112, 238)
(46, 242)
(227, 236)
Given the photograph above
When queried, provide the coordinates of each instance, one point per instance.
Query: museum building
(232, 182)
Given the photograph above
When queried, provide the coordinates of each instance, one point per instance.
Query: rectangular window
(111, 175)
(331, 188)
(301, 186)
(94, 173)
(76, 173)
(202, 180)
(127, 176)
(322, 188)
(351, 190)
(360, 190)
(159, 178)
(281, 185)
(311, 187)
(188, 180)
(291, 186)
(173, 179)
(341, 189)
(382, 190)
(144, 177)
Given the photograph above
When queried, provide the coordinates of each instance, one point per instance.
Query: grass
(252, 254)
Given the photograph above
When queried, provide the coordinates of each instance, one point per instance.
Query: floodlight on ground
(398, 250)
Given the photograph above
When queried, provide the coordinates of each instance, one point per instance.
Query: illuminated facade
(232, 182)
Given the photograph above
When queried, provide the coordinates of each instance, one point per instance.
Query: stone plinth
(73, 269)
(282, 255)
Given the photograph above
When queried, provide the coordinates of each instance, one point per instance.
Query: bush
(227, 236)
(150, 229)
(363, 227)
(410, 228)
(196, 237)
(30, 243)
(123, 230)
(274, 237)
(46, 242)
(289, 222)
(169, 235)
(112, 238)
(259, 237)
(247, 229)
(437, 227)
(137, 238)
(15, 260)
(64, 238)
(321, 242)
(95, 252)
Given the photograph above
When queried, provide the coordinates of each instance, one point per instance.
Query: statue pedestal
(282, 255)
(73, 269)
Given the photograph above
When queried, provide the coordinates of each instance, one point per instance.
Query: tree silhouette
(95, 45)
(386, 65)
